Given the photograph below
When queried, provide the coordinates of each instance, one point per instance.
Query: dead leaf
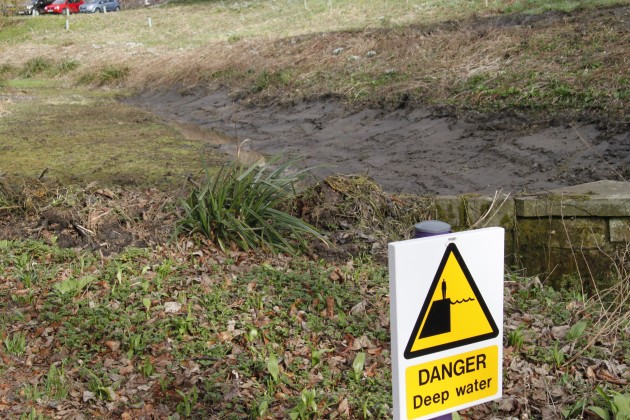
(127, 369)
(359, 308)
(87, 396)
(105, 192)
(559, 332)
(330, 306)
(606, 376)
(112, 345)
(336, 275)
(343, 408)
(507, 405)
(361, 342)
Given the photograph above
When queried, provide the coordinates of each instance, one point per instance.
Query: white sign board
(446, 297)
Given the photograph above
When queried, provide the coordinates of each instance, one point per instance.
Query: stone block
(501, 214)
(450, 209)
(567, 233)
(600, 199)
(568, 269)
(619, 229)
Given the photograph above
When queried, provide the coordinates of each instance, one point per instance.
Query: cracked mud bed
(416, 151)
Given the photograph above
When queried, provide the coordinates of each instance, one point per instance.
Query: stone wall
(560, 235)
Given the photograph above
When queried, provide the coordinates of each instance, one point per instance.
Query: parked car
(64, 6)
(93, 6)
(39, 6)
(34, 7)
(26, 8)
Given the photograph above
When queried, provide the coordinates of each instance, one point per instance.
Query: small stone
(172, 307)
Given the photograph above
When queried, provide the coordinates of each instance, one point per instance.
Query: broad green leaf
(622, 403)
(603, 414)
(273, 366)
(359, 363)
(72, 285)
(576, 330)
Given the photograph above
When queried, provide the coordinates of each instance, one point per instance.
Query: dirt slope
(418, 151)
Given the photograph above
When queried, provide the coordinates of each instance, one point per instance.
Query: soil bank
(416, 151)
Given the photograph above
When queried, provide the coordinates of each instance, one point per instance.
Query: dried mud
(416, 151)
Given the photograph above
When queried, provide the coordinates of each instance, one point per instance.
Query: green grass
(83, 135)
(194, 23)
(15, 344)
(191, 324)
(265, 50)
(244, 206)
(541, 6)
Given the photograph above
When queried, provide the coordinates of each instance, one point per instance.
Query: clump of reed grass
(242, 206)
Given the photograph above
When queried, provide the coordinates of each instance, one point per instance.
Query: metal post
(431, 228)
(423, 230)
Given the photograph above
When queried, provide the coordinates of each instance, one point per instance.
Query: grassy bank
(495, 58)
(490, 57)
(188, 330)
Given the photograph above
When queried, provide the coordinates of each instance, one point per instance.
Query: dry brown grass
(563, 61)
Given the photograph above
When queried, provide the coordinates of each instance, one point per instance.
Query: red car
(64, 6)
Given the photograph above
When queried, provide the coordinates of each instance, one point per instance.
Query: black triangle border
(425, 307)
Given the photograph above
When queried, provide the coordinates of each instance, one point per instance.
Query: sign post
(446, 296)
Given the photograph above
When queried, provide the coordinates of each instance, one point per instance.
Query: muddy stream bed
(417, 151)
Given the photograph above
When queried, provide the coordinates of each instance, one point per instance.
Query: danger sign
(446, 320)
(452, 381)
(452, 319)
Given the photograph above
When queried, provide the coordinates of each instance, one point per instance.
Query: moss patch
(86, 135)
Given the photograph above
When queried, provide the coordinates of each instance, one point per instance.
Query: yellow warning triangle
(454, 313)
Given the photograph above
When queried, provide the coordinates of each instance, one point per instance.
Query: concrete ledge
(602, 198)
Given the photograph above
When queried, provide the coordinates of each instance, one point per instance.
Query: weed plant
(612, 405)
(36, 66)
(242, 205)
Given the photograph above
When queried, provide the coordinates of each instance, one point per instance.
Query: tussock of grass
(25, 194)
(356, 204)
(242, 205)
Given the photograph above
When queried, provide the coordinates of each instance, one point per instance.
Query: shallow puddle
(226, 144)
